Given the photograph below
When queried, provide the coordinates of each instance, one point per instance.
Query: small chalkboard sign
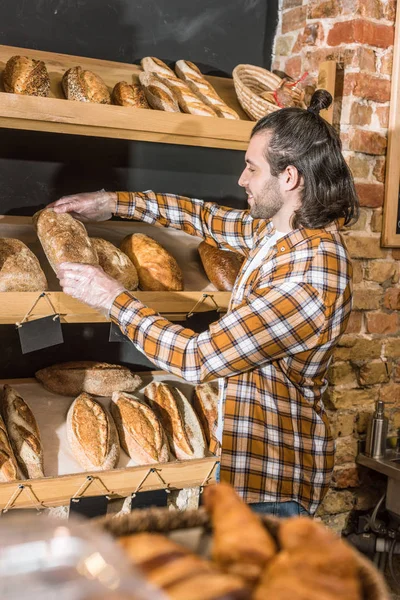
(40, 333)
(89, 506)
(116, 335)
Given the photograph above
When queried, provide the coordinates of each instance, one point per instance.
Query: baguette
(192, 75)
(188, 101)
(180, 422)
(115, 263)
(140, 432)
(23, 433)
(99, 379)
(23, 75)
(85, 86)
(221, 266)
(158, 95)
(64, 239)
(180, 573)
(92, 435)
(205, 403)
(20, 270)
(157, 269)
(9, 470)
(125, 94)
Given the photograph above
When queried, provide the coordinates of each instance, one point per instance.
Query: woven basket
(251, 81)
(162, 520)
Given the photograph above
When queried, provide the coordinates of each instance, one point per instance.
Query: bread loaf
(100, 379)
(20, 270)
(180, 573)
(193, 77)
(205, 404)
(180, 422)
(157, 270)
(22, 75)
(92, 435)
(116, 263)
(23, 433)
(124, 94)
(140, 432)
(221, 266)
(9, 470)
(85, 86)
(158, 95)
(188, 101)
(64, 239)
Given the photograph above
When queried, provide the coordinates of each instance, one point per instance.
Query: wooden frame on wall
(391, 208)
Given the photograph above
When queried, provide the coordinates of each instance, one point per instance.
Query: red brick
(311, 34)
(365, 8)
(389, 10)
(293, 67)
(291, 4)
(364, 246)
(396, 254)
(368, 142)
(361, 31)
(294, 19)
(323, 10)
(345, 477)
(387, 63)
(367, 299)
(397, 373)
(360, 114)
(365, 59)
(370, 194)
(358, 271)
(367, 87)
(374, 372)
(376, 220)
(392, 299)
(355, 322)
(390, 393)
(384, 272)
(382, 323)
(379, 169)
(313, 58)
(383, 115)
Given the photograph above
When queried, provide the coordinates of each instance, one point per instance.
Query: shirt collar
(296, 236)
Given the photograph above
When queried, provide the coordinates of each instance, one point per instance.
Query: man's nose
(242, 179)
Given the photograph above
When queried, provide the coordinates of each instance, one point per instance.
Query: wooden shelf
(173, 305)
(57, 115)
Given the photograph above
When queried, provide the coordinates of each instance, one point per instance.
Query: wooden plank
(327, 81)
(58, 115)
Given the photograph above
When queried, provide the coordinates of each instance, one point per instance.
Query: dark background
(37, 168)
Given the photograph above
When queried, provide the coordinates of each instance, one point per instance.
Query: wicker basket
(251, 81)
(165, 521)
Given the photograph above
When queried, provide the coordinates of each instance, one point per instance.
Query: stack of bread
(303, 561)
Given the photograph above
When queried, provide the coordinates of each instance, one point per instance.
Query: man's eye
(251, 170)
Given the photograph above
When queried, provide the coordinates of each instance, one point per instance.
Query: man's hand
(93, 206)
(89, 284)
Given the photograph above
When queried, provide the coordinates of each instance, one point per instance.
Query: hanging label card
(89, 506)
(148, 499)
(40, 333)
(116, 334)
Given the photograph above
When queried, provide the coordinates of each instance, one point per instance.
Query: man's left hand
(89, 284)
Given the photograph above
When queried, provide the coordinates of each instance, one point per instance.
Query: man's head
(294, 164)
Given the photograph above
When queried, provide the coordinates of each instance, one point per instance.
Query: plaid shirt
(273, 347)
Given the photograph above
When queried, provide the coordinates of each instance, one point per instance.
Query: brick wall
(359, 35)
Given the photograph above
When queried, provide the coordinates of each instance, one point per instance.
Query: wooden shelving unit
(58, 115)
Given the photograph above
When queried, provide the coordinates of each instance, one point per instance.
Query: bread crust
(85, 86)
(23, 75)
(20, 270)
(221, 266)
(116, 263)
(9, 470)
(158, 95)
(125, 94)
(205, 404)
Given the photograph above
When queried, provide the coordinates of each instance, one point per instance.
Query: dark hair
(303, 139)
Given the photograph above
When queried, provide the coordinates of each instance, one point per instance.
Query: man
(289, 306)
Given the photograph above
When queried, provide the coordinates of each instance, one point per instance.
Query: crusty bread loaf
(64, 239)
(23, 75)
(180, 573)
(157, 270)
(9, 470)
(20, 270)
(188, 101)
(100, 379)
(192, 75)
(23, 433)
(221, 266)
(125, 94)
(92, 435)
(140, 432)
(180, 422)
(158, 95)
(85, 86)
(205, 403)
(116, 263)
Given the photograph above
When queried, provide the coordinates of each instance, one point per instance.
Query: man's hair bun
(320, 100)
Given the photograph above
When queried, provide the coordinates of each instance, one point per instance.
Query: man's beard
(268, 202)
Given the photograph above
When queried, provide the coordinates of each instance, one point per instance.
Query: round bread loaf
(124, 94)
(85, 86)
(116, 263)
(20, 270)
(23, 75)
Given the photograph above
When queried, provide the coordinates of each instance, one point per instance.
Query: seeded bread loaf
(23, 75)
(20, 270)
(85, 86)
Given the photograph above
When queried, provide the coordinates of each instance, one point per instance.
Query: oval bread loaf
(20, 270)
(125, 94)
(205, 404)
(23, 433)
(23, 75)
(157, 269)
(180, 422)
(140, 432)
(158, 95)
(85, 86)
(221, 266)
(99, 379)
(92, 435)
(9, 470)
(64, 239)
(116, 263)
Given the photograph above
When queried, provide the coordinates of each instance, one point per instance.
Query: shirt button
(282, 248)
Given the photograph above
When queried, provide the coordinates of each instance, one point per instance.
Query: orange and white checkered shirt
(273, 346)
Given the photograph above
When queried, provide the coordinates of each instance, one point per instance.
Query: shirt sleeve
(276, 322)
(220, 226)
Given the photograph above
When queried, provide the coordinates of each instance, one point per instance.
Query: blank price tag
(201, 321)
(116, 334)
(40, 333)
(89, 506)
(151, 498)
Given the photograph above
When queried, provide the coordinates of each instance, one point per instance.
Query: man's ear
(290, 178)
